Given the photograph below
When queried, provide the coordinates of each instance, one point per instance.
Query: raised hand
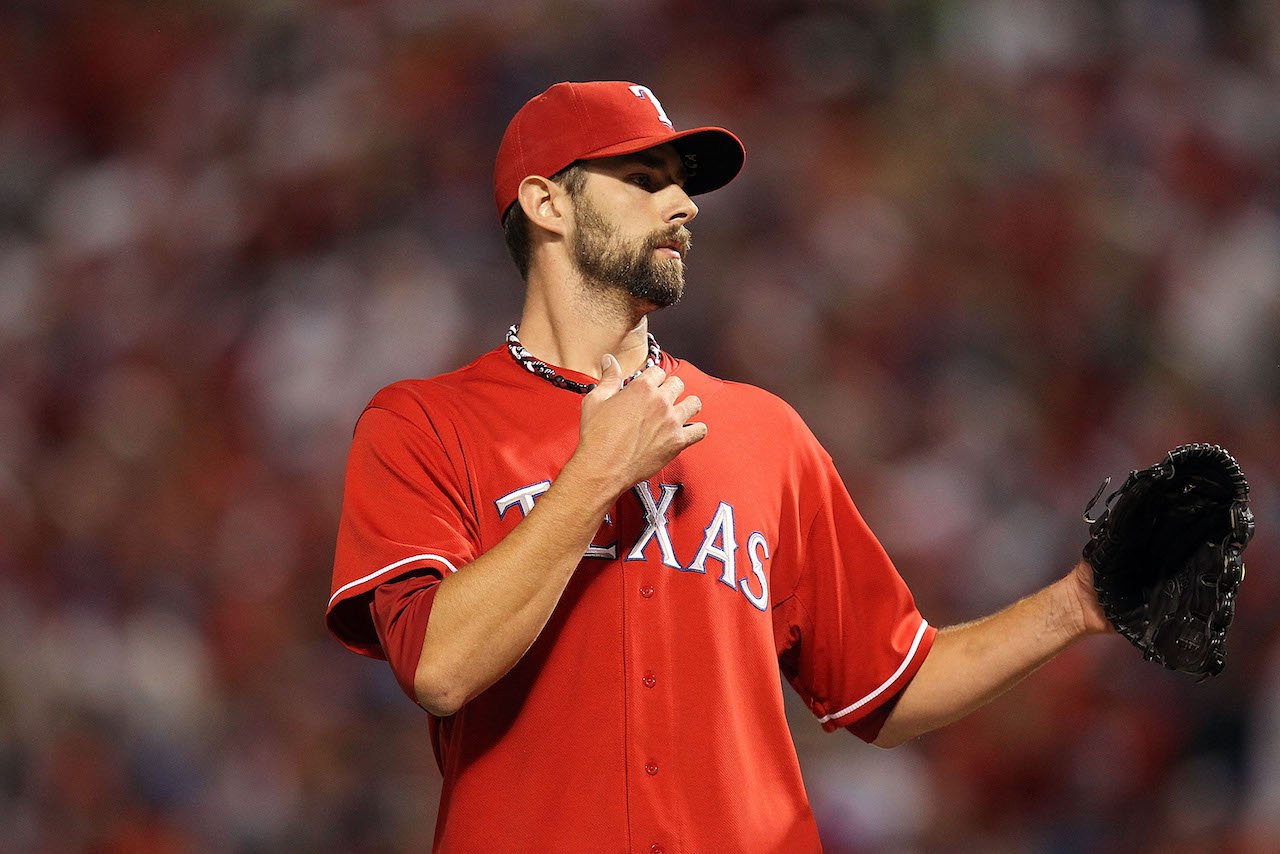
(628, 434)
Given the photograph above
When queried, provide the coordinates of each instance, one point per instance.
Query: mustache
(677, 236)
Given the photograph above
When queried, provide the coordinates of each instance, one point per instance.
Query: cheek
(635, 211)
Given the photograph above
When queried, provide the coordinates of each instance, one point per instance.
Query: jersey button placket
(649, 680)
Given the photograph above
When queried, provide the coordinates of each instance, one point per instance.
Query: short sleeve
(400, 610)
(405, 509)
(848, 634)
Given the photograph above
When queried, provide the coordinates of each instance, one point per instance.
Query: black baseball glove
(1166, 556)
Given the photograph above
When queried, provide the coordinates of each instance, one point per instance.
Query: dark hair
(515, 225)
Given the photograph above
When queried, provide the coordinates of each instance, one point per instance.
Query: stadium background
(992, 251)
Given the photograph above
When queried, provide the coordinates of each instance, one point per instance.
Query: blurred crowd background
(993, 251)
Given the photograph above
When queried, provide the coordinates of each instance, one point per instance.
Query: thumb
(610, 377)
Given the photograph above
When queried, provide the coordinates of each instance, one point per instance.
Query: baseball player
(591, 563)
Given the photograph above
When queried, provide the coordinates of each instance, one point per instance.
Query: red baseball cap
(586, 121)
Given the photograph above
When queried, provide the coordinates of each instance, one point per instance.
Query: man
(591, 563)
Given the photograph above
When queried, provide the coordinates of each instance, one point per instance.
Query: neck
(575, 326)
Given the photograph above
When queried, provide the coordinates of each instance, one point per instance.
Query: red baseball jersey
(648, 716)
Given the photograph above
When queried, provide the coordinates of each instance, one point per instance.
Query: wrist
(589, 484)
(1087, 617)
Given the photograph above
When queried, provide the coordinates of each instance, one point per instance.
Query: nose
(682, 209)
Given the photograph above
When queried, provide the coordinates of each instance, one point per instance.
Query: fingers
(610, 371)
(653, 375)
(671, 389)
(687, 408)
(644, 428)
(610, 378)
(693, 433)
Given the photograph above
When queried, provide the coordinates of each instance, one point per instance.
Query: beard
(606, 262)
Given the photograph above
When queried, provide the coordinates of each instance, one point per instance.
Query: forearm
(487, 615)
(972, 664)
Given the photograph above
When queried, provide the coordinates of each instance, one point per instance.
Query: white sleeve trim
(423, 558)
(911, 653)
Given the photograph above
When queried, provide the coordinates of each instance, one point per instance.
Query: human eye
(642, 180)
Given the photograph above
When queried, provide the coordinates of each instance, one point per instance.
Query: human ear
(543, 202)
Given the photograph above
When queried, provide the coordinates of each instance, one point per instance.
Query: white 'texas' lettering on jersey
(721, 528)
(719, 539)
(655, 515)
(523, 496)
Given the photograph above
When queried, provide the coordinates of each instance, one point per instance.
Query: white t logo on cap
(644, 92)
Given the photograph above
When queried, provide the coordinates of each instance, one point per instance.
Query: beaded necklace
(539, 368)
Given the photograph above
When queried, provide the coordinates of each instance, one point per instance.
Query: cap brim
(712, 156)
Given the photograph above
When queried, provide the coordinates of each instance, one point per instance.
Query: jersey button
(655, 848)
(651, 769)
(649, 679)
(646, 591)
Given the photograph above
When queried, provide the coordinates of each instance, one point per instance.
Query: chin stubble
(605, 262)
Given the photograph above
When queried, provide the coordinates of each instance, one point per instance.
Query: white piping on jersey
(344, 588)
(911, 653)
